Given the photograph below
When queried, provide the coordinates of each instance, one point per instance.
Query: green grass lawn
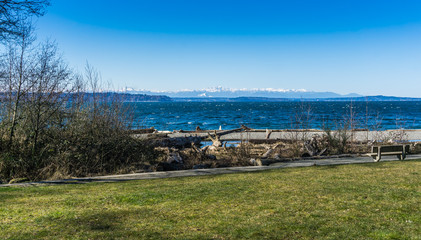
(365, 201)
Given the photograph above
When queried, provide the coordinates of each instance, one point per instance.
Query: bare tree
(15, 78)
(16, 13)
(50, 88)
(49, 123)
(34, 84)
(94, 80)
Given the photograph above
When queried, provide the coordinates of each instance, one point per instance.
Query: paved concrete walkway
(214, 171)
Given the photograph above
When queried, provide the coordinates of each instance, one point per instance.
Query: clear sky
(368, 47)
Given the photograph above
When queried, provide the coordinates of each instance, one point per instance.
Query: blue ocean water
(276, 115)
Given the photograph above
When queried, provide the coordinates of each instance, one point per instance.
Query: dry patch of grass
(375, 201)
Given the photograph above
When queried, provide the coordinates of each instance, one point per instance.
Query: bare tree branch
(16, 13)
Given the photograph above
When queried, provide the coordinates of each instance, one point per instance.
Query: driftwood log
(245, 127)
(177, 142)
(270, 151)
(142, 131)
(216, 141)
(314, 146)
(174, 157)
(221, 133)
(268, 133)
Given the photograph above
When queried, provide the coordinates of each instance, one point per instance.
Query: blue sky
(367, 47)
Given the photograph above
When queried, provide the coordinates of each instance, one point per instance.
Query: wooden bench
(399, 150)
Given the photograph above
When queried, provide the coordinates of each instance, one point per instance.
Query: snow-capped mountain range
(220, 92)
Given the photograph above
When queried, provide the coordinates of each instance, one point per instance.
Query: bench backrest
(390, 148)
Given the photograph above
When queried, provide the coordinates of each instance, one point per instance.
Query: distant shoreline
(263, 99)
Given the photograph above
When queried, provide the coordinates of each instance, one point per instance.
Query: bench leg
(379, 154)
(403, 155)
(377, 158)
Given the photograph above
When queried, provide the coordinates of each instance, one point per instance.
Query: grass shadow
(107, 224)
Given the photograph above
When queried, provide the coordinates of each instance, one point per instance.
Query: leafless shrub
(52, 127)
(300, 122)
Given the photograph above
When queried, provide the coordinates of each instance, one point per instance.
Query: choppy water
(276, 115)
